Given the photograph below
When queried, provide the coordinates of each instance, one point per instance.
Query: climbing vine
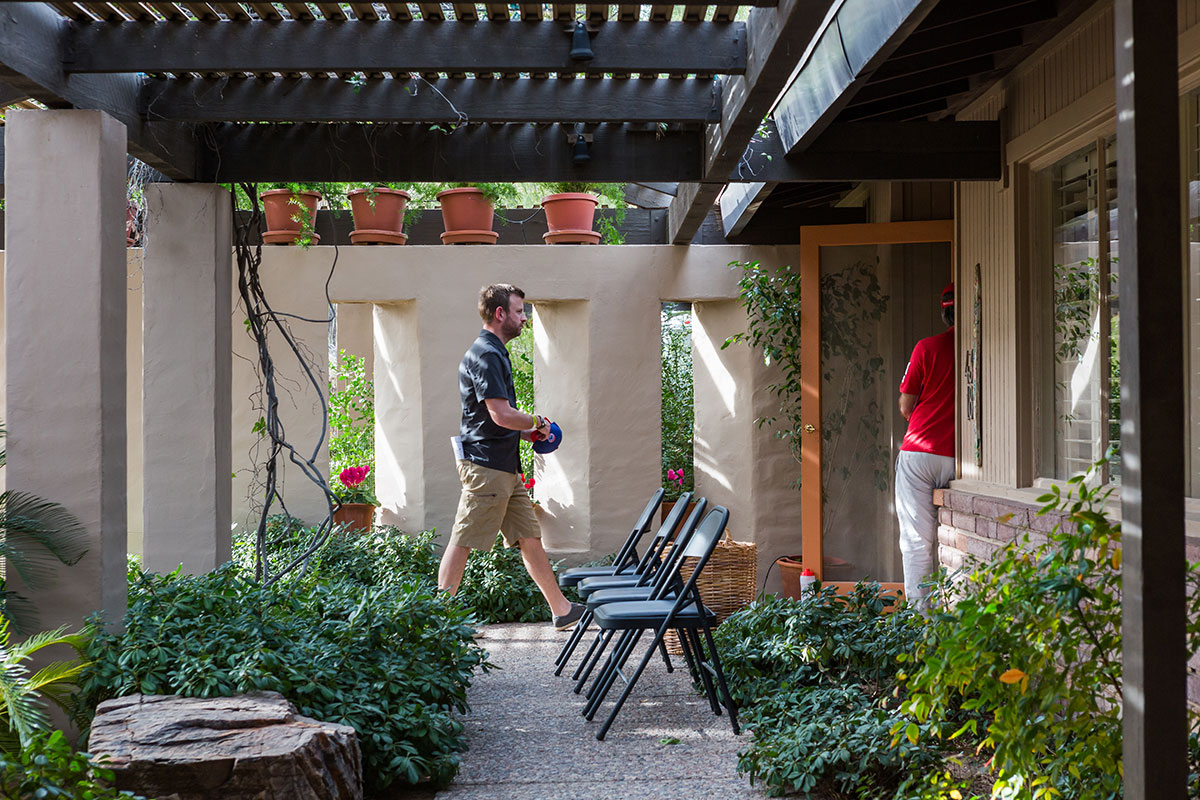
(262, 322)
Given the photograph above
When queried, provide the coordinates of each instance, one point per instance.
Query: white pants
(917, 475)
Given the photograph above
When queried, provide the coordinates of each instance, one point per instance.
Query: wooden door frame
(812, 239)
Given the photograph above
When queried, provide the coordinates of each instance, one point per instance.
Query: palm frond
(37, 534)
(18, 707)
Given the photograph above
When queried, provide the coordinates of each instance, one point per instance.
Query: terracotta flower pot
(665, 510)
(467, 216)
(378, 215)
(836, 569)
(285, 211)
(356, 516)
(570, 217)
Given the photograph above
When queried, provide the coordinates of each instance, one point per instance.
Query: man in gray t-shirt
(493, 497)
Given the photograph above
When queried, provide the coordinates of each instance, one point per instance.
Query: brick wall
(979, 525)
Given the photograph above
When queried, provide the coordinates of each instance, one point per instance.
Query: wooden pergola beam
(509, 153)
(1153, 416)
(417, 46)
(776, 39)
(31, 55)
(854, 44)
(442, 100)
(619, 153)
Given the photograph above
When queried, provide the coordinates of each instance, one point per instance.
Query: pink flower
(670, 474)
(353, 476)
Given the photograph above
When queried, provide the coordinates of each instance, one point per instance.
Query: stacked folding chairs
(640, 594)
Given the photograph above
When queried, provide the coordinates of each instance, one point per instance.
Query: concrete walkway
(528, 740)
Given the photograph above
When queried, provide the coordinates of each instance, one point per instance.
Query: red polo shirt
(930, 376)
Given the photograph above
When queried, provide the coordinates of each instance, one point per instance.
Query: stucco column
(186, 377)
(417, 410)
(561, 379)
(65, 346)
(738, 464)
(623, 380)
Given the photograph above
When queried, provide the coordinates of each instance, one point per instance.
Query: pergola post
(1154, 693)
(187, 377)
(65, 298)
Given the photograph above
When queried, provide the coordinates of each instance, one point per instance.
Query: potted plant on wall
(357, 509)
(571, 210)
(468, 209)
(379, 213)
(291, 213)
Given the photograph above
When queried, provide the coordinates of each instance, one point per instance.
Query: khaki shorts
(492, 501)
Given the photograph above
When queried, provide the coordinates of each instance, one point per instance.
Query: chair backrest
(651, 560)
(628, 552)
(700, 545)
(667, 577)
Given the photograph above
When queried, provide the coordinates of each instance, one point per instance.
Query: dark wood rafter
(772, 36)
(355, 152)
(855, 43)
(1032, 37)
(31, 56)
(519, 100)
(418, 46)
(739, 202)
(620, 153)
(11, 94)
(398, 12)
(865, 151)
(645, 197)
(1152, 279)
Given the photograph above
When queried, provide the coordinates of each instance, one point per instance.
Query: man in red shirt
(926, 460)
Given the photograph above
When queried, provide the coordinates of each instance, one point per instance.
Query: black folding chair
(642, 574)
(685, 613)
(657, 581)
(627, 557)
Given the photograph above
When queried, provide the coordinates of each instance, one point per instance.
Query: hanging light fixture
(581, 44)
(581, 154)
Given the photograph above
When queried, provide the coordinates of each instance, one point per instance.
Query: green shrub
(1032, 650)
(394, 661)
(817, 681)
(49, 767)
(496, 587)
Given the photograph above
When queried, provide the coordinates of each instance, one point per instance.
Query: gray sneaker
(570, 618)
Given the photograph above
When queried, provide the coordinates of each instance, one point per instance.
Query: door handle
(810, 428)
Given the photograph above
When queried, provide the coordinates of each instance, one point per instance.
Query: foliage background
(351, 420)
(678, 417)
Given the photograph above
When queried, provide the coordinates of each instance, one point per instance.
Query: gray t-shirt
(484, 373)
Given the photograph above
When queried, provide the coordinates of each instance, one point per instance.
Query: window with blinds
(1087, 405)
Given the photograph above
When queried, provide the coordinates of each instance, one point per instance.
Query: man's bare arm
(504, 415)
(907, 403)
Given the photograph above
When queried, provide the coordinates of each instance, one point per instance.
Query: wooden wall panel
(985, 214)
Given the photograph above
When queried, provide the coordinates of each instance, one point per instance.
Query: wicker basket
(728, 584)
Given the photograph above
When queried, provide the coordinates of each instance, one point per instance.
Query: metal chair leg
(576, 637)
(587, 658)
(629, 684)
(585, 668)
(662, 646)
(613, 671)
(710, 691)
(716, 659)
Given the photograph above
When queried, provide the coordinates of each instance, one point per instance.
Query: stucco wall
(596, 325)
(597, 371)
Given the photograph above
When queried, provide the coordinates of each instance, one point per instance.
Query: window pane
(1086, 372)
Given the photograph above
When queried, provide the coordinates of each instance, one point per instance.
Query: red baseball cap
(948, 296)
